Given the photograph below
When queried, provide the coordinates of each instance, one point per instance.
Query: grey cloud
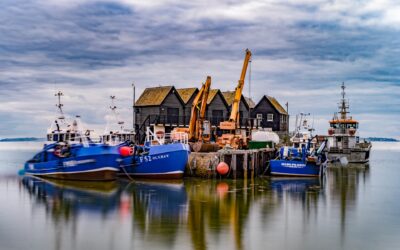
(302, 51)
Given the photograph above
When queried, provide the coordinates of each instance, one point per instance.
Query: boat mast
(343, 104)
(60, 105)
(114, 111)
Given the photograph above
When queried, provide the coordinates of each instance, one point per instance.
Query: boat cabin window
(344, 125)
(36, 158)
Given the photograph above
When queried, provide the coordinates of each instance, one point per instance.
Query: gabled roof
(230, 96)
(250, 102)
(186, 93)
(274, 104)
(211, 95)
(153, 96)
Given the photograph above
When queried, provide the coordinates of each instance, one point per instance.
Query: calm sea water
(355, 208)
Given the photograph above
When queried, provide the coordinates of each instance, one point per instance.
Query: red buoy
(222, 168)
(125, 151)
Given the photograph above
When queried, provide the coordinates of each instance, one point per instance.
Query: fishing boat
(344, 144)
(70, 154)
(163, 156)
(293, 161)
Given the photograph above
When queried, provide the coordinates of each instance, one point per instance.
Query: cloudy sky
(302, 51)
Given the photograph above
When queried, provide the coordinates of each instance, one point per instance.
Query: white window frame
(259, 116)
(270, 117)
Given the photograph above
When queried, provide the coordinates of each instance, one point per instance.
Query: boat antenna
(59, 105)
(312, 126)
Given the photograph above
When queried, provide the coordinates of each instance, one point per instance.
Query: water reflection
(343, 187)
(159, 208)
(64, 200)
(197, 213)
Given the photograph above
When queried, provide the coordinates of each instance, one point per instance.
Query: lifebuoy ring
(160, 134)
(57, 152)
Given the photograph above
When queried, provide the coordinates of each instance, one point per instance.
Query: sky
(302, 51)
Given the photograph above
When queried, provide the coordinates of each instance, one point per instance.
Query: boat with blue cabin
(302, 158)
(300, 161)
(70, 154)
(163, 156)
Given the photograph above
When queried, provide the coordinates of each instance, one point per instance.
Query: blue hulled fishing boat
(61, 160)
(70, 154)
(300, 161)
(162, 156)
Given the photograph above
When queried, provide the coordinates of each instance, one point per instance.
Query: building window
(270, 117)
(259, 116)
(217, 116)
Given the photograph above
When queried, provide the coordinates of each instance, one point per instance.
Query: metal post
(134, 108)
(287, 118)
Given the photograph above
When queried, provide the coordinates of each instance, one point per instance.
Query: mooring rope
(126, 173)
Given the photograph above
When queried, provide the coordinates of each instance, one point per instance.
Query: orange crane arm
(193, 113)
(239, 89)
(204, 98)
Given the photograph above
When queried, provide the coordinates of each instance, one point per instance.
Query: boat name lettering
(293, 165)
(74, 163)
(152, 158)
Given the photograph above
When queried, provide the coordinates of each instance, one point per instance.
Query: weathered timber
(240, 162)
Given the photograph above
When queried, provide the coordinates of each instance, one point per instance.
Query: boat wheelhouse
(115, 133)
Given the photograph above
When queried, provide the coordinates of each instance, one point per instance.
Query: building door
(173, 115)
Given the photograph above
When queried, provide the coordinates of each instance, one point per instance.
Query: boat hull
(162, 162)
(94, 163)
(102, 174)
(294, 168)
(352, 156)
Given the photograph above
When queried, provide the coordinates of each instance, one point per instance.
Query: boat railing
(161, 138)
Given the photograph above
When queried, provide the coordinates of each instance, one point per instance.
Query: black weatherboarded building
(159, 105)
(217, 107)
(270, 114)
(163, 108)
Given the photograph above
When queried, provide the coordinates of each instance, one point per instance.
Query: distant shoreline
(22, 139)
(382, 139)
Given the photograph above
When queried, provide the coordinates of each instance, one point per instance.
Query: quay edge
(242, 163)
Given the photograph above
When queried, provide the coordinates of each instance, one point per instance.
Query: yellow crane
(199, 127)
(231, 136)
(197, 116)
